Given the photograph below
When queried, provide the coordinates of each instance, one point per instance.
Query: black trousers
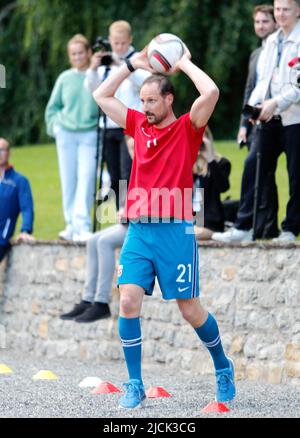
(272, 139)
(117, 159)
(267, 221)
(3, 251)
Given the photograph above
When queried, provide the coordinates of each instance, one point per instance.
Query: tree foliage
(34, 33)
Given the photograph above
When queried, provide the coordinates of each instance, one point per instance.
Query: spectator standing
(267, 227)
(72, 117)
(279, 101)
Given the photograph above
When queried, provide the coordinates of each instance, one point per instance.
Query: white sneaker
(233, 235)
(84, 236)
(285, 236)
(66, 234)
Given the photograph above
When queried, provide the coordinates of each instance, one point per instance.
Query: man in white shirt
(267, 221)
(264, 25)
(279, 98)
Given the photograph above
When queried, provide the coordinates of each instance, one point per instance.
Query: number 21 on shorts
(185, 275)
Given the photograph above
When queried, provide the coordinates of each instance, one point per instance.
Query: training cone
(215, 407)
(4, 369)
(45, 375)
(90, 382)
(157, 391)
(105, 388)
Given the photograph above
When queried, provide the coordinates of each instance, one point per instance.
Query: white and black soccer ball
(164, 51)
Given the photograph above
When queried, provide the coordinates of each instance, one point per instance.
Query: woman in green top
(72, 117)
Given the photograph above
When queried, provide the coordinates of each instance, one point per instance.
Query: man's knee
(92, 242)
(129, 304)
(187, 313)
(187, 309)
(192, 311)
(102, 240)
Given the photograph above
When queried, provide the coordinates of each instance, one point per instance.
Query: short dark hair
(165, 85)
(265, 9)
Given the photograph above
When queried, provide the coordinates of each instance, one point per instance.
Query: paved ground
(20, 396)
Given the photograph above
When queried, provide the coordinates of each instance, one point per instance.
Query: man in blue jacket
(15, 197)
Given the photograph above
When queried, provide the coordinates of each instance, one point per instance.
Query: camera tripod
(101, 140)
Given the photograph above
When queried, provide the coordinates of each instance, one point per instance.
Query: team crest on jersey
(120, 270)
(152, 142)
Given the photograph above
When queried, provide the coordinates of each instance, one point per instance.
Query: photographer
(280, 108)
(115, 152)
(279, 114)
(267, 223)
(211, 173)
(264, 25)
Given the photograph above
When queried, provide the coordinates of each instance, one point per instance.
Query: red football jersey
(161, 181)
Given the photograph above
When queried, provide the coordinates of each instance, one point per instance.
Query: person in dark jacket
(15, 198)
(267, 222)
(211, 173)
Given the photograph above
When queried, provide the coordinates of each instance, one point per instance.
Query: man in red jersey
(160, 241)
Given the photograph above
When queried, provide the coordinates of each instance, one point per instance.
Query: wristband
(129, 65)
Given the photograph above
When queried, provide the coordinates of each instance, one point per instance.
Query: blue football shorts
(168, 251)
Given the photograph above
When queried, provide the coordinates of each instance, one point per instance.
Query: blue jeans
(77, 168)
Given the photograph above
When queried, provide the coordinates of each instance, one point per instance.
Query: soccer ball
(164, 51)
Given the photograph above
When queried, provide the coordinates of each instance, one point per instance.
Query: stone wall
(252, 289)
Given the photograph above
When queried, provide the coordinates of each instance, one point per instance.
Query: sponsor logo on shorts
(120, 270)
(183, 289)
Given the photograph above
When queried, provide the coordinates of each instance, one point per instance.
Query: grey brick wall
(253, 290)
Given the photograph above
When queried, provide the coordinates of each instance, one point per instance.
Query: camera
(104, 45)
(251, 112)
(202, 147)
(242, 144)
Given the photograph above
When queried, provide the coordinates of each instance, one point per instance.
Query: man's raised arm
(203, 107)
(104, 94)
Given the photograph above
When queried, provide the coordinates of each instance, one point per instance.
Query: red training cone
(215, 407)
(157, 391)
(105, 388)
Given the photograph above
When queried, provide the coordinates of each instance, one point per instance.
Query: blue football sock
(131, 338)
(210, 336)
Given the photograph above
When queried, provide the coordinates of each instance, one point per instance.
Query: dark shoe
(95, 312)
(76, 311)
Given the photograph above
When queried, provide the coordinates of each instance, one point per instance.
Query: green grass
(236, 156)
(39, 164)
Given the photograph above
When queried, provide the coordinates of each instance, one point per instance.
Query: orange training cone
(105, 388)
(215, 407)
(157, 391)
